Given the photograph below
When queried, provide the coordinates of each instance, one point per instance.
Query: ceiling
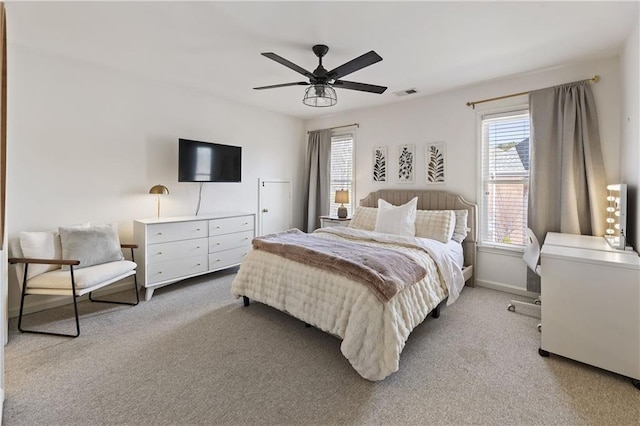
(428, 46)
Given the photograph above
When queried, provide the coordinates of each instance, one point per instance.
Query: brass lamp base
(342, 212)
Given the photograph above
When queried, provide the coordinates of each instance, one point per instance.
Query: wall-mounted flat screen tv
(208, 162)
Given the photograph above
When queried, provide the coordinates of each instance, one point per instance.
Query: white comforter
(373, 333)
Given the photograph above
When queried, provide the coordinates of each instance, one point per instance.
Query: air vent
(405, 92)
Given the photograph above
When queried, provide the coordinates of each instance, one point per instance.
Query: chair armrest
(43, 261)
(131, 246)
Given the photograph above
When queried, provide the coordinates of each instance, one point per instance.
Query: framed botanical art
(380, 164)
(406, 158)
(436, 162)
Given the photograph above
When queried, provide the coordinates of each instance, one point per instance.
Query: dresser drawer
(223, 259)
(230, 241)
(180, 268)
(230, 224)
(163, 252)
(163, 232)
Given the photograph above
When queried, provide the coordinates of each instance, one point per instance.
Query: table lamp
(159, 190)
(342, 197)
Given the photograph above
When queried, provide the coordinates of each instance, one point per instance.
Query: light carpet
(194, 355)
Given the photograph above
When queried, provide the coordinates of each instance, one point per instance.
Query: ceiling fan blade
(341, 84)
(299, 83)
(353, 65)
(288, 64)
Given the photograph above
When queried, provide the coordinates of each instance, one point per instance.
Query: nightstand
(334, 221)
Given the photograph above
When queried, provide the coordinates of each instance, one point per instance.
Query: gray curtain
(317, 178)
(567, 187)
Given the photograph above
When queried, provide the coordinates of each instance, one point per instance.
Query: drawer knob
(159, 272)
(245, 238)
(246, 223)
(217, 260)
(197, 247)
(159, 252)
(217, 244)
(198, 264)
(198, 229)
(159, 233)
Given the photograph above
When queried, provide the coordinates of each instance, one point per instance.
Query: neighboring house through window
(505, 178)
(342, 159)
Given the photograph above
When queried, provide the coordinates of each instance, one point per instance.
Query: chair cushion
(84, 277)
(40, 245)
(91, 246)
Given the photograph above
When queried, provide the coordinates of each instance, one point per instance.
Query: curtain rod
(595, 79)
(337, 127)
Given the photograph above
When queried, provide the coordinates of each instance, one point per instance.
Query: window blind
(341, 171)
(505, 177)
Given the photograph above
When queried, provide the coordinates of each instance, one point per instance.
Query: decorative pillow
(40, 245)
(460, 230)
(435, 224)
(364, 218)
(91, 246)
(398, 220)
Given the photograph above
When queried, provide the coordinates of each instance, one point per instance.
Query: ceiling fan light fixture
(320, 95)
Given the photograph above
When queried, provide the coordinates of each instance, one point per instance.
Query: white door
(275, 213)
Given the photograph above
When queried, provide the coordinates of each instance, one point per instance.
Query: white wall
(446, 117)
(87, 143)
(630, 141)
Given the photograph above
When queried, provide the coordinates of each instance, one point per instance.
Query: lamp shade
(320, 95)
(159, 189)
(342, 196)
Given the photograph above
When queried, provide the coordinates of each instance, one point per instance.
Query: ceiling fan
(321, 82)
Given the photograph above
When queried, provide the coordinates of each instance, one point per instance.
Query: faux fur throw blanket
(386, 272)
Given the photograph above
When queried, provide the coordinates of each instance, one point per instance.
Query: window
(505, 178)
(341, 171)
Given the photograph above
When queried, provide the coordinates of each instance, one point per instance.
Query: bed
(372, 324)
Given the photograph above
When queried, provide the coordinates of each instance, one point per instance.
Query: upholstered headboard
(436, 200)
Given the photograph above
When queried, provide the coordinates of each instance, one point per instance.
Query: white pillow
(460, 230)
(435, 224)
(91, 246)
(364, 218)
(40, 245)
(398, 220)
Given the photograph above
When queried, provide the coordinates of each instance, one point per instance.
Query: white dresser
(172, 249)
(591, 303)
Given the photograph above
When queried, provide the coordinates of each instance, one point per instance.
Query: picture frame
(406, 163)
(380, 164)
(436, 163)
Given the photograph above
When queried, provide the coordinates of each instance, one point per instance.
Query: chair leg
(75, 308)
(50, 333)
(135, 286)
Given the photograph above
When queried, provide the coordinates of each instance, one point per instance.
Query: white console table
(173, 249)
(591, 303)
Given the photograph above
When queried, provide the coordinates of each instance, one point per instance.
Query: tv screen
(208, 162)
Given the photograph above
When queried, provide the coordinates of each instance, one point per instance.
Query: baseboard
(506, 288)
(1, 402)
(40, 303)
